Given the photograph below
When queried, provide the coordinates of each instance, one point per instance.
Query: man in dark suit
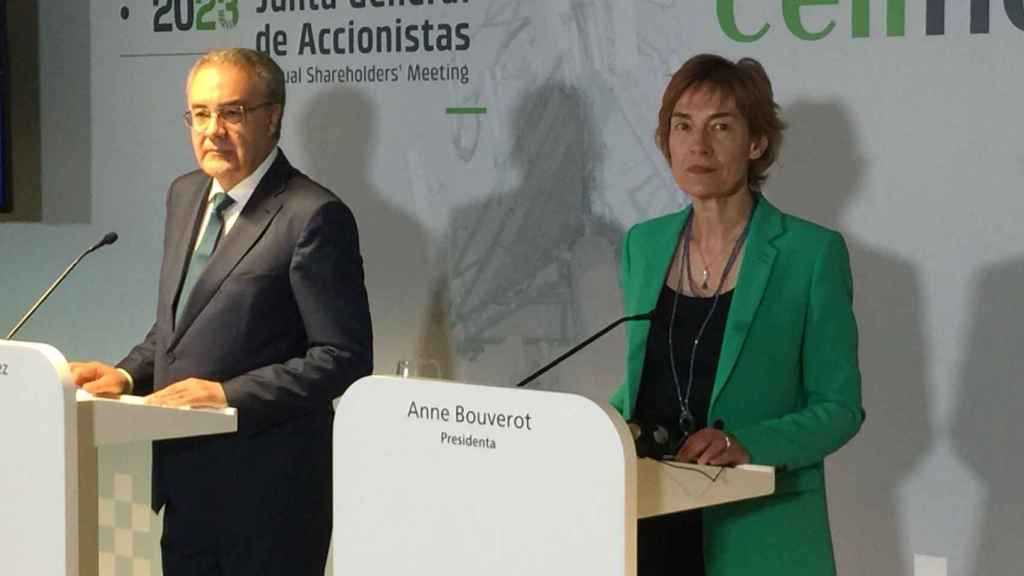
(261, 307)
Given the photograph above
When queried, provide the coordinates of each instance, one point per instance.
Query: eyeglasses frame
(216, 114)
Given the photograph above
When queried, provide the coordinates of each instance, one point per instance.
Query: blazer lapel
(665, 244)
(257, 214)
(758, 259)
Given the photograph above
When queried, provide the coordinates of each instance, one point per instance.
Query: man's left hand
(193, 392)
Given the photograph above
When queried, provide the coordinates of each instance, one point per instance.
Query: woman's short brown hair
(746, 83)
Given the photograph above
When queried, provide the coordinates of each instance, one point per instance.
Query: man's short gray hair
(261, 66)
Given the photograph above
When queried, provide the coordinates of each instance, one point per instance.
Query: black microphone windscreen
(660, 435)
(108, 238)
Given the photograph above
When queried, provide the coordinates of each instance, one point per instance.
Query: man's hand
(713, 447)
(193, 392)
(98, 378)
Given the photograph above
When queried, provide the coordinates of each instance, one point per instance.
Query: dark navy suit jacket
(280, 317)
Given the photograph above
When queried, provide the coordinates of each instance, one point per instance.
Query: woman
(751, 354)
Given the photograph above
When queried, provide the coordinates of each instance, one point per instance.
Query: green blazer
(787, 385)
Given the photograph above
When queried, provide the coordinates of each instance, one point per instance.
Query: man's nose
(215, 126)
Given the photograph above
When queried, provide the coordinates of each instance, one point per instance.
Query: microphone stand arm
(578, 347)
(46, 295)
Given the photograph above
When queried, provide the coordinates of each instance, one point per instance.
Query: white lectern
(435, 477)
(48, 440)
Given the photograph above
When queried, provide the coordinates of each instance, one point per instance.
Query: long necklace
(686, 419)
(704, 273)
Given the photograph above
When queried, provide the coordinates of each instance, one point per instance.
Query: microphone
(652, 442)
(582, 345)
(108, 238)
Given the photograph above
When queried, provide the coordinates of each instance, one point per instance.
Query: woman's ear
(758, 146)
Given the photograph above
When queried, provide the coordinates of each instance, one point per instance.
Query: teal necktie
(201, 255)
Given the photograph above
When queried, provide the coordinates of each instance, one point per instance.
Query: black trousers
(670, 545)
(281, 550)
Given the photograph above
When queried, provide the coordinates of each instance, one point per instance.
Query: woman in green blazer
(751, 354)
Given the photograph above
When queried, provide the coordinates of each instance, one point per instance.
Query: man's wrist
(128, 377)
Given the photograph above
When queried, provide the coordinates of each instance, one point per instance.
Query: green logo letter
(895, 18)
(727, 21)
(791, 13)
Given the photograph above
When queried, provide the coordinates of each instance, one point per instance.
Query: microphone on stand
(582, 345)
(108, 238)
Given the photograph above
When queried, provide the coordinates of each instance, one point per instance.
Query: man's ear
(275, 118)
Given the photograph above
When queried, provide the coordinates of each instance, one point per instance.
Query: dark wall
(23, 57)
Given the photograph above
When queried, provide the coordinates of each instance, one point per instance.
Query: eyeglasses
(233, 114)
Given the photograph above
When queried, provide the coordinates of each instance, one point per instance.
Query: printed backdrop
(495, 151)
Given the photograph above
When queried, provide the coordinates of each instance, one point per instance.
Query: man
(262, 307)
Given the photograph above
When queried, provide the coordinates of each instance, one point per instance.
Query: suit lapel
(182, 224)
(257, 214)
(758, 259)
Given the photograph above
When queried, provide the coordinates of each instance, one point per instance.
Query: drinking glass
(418, 368)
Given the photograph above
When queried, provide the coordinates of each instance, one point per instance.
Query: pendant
(704, 279)
(686, 422)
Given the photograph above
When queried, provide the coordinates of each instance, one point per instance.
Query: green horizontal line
(466, 110)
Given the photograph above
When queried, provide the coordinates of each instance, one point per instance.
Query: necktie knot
(220, 202)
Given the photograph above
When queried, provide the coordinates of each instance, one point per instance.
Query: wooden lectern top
(664, 487)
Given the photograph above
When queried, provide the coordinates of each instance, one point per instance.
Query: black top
(674, 543)
(657, 402)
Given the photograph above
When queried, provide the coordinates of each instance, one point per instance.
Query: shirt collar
(244, 189)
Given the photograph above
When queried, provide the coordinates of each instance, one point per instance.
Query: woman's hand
(713, 447)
